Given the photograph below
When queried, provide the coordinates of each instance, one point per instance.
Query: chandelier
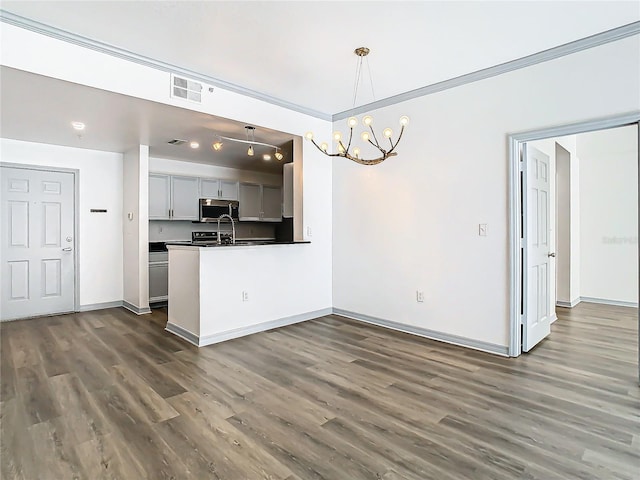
(251, 141)
(369, 135)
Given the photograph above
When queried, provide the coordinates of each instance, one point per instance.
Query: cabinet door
(250, 201)
(228, 190)
(159, 195)
(271, 204)
(185, 193)
(209, 188)
(158, 282)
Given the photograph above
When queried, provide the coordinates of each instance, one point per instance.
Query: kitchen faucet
(233, 228)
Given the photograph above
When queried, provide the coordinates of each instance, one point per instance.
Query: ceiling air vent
(176, 141)
(186, 89)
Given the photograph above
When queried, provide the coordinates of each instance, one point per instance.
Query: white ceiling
(299, 52)
(302, 52)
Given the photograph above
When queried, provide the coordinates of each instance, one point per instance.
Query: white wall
(29, 51)
(609, 214)
(100, 242)
(412, 222)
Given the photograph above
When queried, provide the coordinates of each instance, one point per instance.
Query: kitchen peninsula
(220, 292)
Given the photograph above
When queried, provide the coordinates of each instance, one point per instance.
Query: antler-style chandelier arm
(393, 146)
(377, 145)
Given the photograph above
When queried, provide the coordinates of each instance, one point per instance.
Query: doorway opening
(520, 234)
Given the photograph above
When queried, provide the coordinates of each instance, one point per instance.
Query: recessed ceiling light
(194, 144)
(78, 125)
(266, 156)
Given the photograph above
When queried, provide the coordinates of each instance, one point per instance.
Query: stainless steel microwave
(211, 209)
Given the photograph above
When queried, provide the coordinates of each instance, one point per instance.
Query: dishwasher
(158, 273)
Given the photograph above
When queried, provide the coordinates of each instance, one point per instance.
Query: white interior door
(37, 225)
(537, 284)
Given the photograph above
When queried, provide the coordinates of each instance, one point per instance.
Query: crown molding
(586, 43)
(53, 32)
(598, 39)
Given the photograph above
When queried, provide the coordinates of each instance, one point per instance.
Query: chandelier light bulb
(356, 152)
(337, 136)
(365, 136)
(217, 146)
(352, 122)
(308, 135)
(367, 120)
(324, 146)
(387, 132)
(404, 120)
(340, 148)
(250, 151)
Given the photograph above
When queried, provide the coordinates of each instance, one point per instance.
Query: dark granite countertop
(239, 243)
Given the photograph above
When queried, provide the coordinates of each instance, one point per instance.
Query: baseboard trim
(605, 301)
(134, 309)
(554, 317)
(182, 333)
(100, 306)
(261, 327)
(501, 350)
(571, 304)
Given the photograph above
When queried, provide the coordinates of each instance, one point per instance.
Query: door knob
(67, 249)
(552, 254)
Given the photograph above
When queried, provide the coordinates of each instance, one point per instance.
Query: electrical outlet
(245, 296)
(419, 296)
(482, 229)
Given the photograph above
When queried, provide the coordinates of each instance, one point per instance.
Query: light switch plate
(482, 229)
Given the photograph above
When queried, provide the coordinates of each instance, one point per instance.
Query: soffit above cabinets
(117, 123)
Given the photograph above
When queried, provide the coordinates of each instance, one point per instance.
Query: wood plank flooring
(109, 395)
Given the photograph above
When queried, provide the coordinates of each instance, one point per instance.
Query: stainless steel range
(210, 237)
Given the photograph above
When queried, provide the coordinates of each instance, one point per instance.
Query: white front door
(537, 319)
(37, 225)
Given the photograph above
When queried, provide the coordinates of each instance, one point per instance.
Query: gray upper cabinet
(185, 192)
(271, 204)
(173, 197)
(220, 189)
(250, 202)
(209, 188)
(260, 203)
(159, 197)
(228, 190)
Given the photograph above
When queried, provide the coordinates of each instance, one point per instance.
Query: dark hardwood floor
(109, 395)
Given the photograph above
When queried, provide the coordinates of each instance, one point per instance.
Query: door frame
(76, 223)
(517, 241)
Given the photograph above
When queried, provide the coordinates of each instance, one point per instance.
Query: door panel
(19, 280)
(537, 321)
(18, 223)
(38, 264)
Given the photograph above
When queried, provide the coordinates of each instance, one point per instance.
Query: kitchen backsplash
(162, 231)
